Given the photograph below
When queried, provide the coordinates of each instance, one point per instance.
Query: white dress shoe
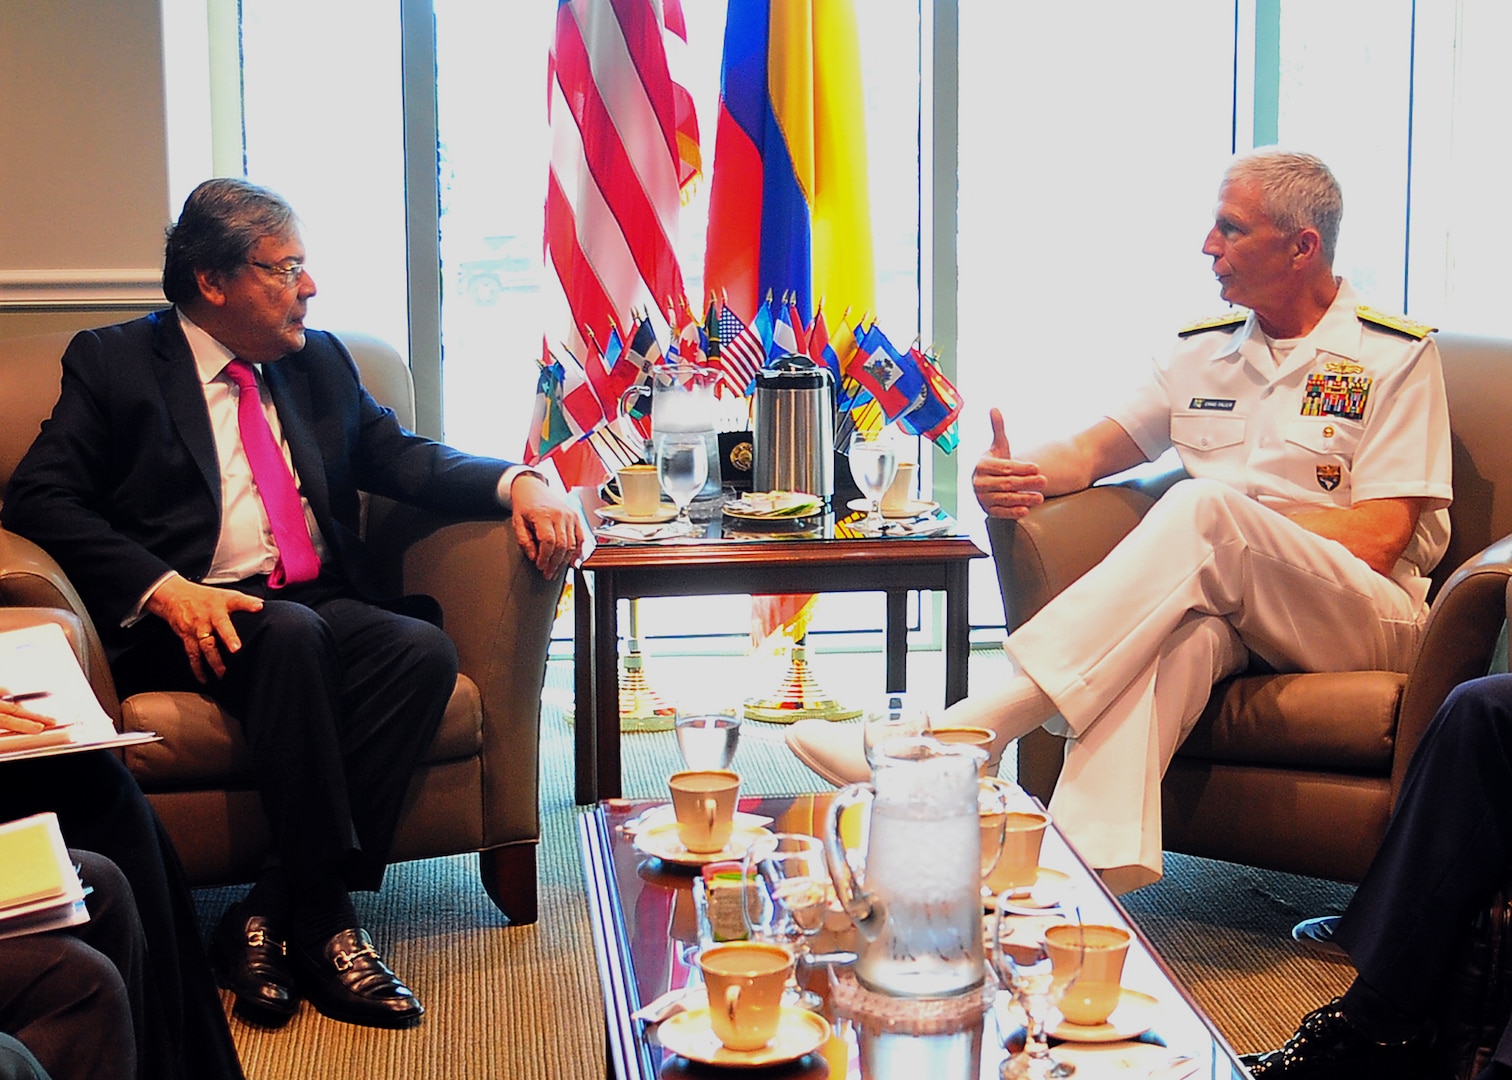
(1316, 935)
(836, 752)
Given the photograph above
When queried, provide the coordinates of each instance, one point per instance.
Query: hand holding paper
(56, 710)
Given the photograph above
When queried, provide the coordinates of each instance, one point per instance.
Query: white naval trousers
(1130, 651)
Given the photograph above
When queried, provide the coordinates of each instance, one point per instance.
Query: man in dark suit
(60, 995)
(1447, 850)
(198, 481)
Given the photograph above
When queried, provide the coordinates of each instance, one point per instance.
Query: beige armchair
(1299, 772)
(477, 790)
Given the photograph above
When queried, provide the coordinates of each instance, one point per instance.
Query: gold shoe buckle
(344, 960)
(260, 938)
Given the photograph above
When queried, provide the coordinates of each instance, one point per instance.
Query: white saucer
(1044, 895)
(1134, 1015)
(664, 512)
(661, 841)
(690, 1034)
(911, 509)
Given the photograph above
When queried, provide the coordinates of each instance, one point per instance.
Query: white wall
(84, 193)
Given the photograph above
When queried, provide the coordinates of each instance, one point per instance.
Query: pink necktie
(297, 561)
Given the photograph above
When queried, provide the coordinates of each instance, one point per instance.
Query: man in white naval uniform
(1316, 436)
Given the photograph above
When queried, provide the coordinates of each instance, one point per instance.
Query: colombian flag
(789, 209)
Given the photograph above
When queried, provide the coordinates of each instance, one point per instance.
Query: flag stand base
(640, 707)
(799, 697)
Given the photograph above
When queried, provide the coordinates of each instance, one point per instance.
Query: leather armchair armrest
(29, 577)
(1459, 643)
(499, 612)
(1057, 542)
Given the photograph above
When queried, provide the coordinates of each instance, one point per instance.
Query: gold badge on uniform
(1329, 476)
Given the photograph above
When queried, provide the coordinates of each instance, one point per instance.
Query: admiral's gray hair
(221, 222)
(1297, 191)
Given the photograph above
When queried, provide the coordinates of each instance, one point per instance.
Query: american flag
(741, 352)
(620, 148)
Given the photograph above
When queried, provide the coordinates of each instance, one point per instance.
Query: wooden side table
(615, 572)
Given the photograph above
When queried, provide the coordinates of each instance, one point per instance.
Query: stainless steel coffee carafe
(794, 427)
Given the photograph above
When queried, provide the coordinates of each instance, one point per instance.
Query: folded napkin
(642, 533)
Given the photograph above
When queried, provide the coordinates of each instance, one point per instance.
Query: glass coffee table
(646, 935)
(826, 557)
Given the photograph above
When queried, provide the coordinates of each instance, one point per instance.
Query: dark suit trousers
(1447, 850)
(339, 699)
(74, 996)
(101, 809)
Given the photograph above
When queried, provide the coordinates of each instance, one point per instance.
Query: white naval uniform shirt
(1356, 411)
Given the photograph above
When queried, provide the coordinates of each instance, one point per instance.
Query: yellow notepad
(34, 862)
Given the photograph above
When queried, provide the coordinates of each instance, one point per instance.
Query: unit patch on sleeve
(1331, 393)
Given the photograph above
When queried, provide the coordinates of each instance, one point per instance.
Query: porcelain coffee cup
(1018, 864)
(900, 492)
(640, 490)
(979, 737)
(1095, 954)
(704, 802)
(745, 980)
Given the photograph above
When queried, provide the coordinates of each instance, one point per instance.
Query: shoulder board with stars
(1399, 323)
(1227, 320)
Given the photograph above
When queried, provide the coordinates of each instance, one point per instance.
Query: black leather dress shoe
(1327, 1045)
(347, 980)
(251, 961)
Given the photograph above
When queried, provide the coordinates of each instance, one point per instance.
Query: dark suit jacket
(122, 483)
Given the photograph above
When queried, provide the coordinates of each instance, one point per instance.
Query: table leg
(896, 641)
(606, 719)
(584, 714)
(957, 630)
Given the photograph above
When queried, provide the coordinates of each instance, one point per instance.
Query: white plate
(661, 841)
(664, 512)
(911, 509)
(775, 505)
(690, 1034)
(1134, 1015)
(1045, 894)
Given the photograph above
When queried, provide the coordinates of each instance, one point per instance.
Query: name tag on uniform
(1216, 404)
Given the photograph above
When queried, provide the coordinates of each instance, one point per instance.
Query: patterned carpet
(523, 1003)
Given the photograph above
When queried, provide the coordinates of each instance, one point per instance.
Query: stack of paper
(39, 887)
(38, 665)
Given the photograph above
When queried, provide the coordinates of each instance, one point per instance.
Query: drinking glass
(1022, 964)
(899, 716)
(793, 889)
(992, 817)
(682, 465)
(873, 464)
(707, 741)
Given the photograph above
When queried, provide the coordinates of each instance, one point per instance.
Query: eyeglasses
(288, 272)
